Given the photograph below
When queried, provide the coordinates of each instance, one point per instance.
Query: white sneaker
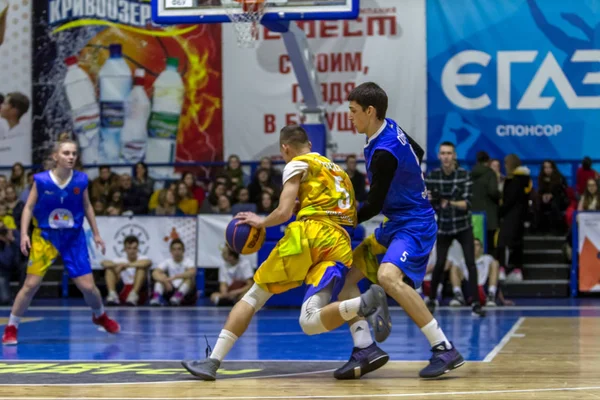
(155, 301)
(176, 299)
(112, 299)
(132, 299)
(501, 274)
(515, 276)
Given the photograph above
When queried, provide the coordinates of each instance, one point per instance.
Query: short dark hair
(177, 241)
(478, 240)
(19, 101)
(482, 157)
(293, 135)
(586, 163)
(131, 239)
(370, 94)
(349, 156)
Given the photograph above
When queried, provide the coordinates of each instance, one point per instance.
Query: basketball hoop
(245, 16)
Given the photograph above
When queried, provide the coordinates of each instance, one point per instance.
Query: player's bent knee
(389, 276)
(310, 322)
(256, 297)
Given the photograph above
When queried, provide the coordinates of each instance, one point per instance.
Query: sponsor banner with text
(514, 76)
(386, 44)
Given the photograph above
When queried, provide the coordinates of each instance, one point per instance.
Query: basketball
(244, 238)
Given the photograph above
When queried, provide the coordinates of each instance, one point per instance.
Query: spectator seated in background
(25, 193)
(10, 260)
(276, 174)
(262, 182)
(187, 203)
(590, 199)
(143, 184)
(487, 275)
(552, 199)
(584, 174)
(134, 201)
(266, 204)
(235, 278)
(131, 270)
(242, 204)
(15, 206)
(196, 190)
(167, 204)
(17, 178)
(235, 173)
(223, 205)
(175, 278)
(103, 185)
(5, 218)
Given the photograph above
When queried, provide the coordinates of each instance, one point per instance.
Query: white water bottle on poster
(167, 103)
(135, 129)
(85, 111)
(115, 86)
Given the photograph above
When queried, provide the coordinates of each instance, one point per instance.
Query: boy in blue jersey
(396, 255)
(58, 202)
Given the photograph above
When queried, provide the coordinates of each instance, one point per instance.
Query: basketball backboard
(214, 11)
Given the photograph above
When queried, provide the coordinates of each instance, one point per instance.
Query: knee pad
(311, 322)
(310, 315)
(256, 297)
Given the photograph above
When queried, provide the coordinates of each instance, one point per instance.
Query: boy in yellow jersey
(315, 250)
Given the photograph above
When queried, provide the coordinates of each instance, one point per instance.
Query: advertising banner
(514, 76)
(154, 235)
(15, 82)
(386, 45)
(127, 89)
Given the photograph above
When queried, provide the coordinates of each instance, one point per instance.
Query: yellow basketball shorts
(312, 252)
(47, 244)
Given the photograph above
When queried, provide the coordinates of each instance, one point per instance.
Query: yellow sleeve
(153, 203)
(9, 222)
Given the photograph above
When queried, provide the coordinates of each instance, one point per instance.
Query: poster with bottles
(125, 88)
(15, 82)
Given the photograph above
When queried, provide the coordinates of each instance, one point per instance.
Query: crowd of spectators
(512, 200)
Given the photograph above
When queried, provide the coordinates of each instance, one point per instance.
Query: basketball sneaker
(176, 299)
(132, 299)
(109, 325)
(362, 361)
(10, 335)
(155, 301)
(477, 311)
(205, 369)
(442, 361)
(491, 300)
(112, 299)
(374, 307)
(458, 300)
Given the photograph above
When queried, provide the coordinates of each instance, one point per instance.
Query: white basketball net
(245, 16)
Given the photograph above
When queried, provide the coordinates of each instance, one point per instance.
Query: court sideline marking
(349, 396)
(509, 335)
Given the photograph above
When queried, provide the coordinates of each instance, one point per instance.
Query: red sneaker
(10, 335)
(110, 325)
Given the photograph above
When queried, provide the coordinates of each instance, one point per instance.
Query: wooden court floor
(540, 357)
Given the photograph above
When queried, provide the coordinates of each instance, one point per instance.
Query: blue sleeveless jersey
(406, 201)
(58, 208)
